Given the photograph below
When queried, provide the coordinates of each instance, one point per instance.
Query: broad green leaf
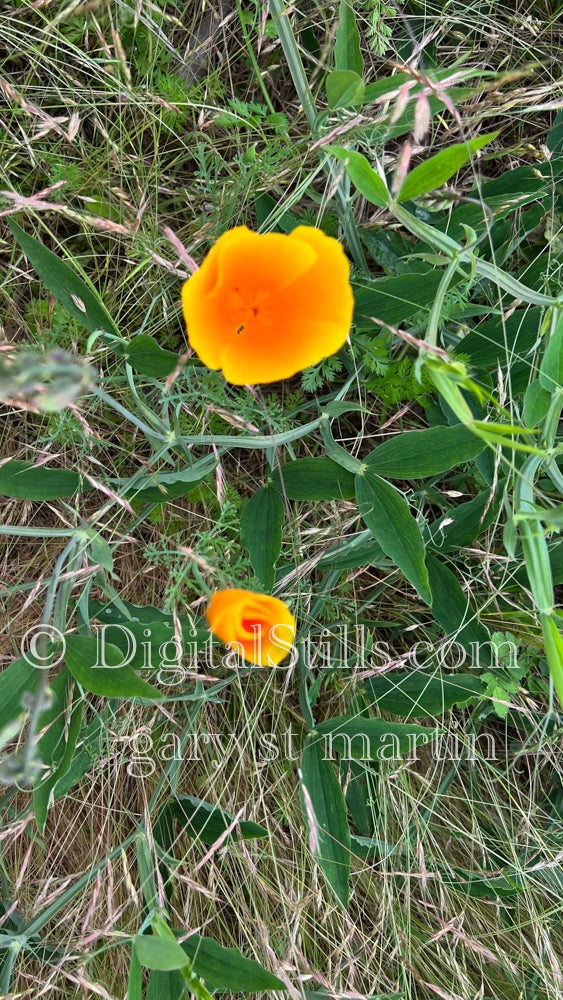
(439, 168)
(501, 341)
(111, 681)
(347, 50)
(166, 986)
(81, 301)
(364, 177)
(481, 886)
(455, 613)
(362, 738)
(503, 196)
(160, 487)
(360, 781)
(265, 207)
(553, 643)
(551, 367)
(359, 552)
(61, 762)
(391, 84)
(148, 358)
(28, 482)
(388, 517)
(393, 300)
(19, 677)
(261, 524)
(415, 693)
(99, 550)
(160, 953)
(207, 822)
(417, 454)
(94, 744)
(536, 403)
(325, 815)
(460, 526)
(226, 968)
(313, 479)
(344, 89)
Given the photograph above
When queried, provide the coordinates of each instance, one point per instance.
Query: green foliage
(134, 487)
(321, 374)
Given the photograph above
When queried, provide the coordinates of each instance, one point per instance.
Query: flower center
(250, 625)
(249, 309)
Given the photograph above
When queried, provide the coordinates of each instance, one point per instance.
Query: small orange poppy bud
(263, 307)
(262, 627)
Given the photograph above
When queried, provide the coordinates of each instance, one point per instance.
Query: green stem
(298, 75)
(255, 65)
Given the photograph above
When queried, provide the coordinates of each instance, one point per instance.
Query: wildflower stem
(297, 71)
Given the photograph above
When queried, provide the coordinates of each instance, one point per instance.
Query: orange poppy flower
(262, 628)
(263, 307)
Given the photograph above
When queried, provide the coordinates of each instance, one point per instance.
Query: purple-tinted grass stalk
(297, 71)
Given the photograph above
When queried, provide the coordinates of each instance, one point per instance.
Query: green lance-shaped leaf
(357, 737)
(261, 525)
(364, 177)
(325, 814)
(80, 300)
(461, 525)
(226, 968)
(57, 746)
(148, 358)
(416, 693)
(387, 516)
(160, 487)
(112, 681)
(551, 368)
(347, 50)
(28, 482)
(207, 822)
(536, 403)
(393, 300)
(19, 677)
(455, 613)
(417, 454)
(313, 479)
(439, 168)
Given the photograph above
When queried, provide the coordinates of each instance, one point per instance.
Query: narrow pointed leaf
(81, 301)
(261, 525)
(28, 482)
(439, 168)
(344, 89)
(364, 177)
(226, 968)
(347, 51)
(391, 523)
(325, 814)
(313, 479)
(417, 454)
(112, 681)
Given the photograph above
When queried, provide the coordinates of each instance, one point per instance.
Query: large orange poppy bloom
(260, 627)
(263, 307)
